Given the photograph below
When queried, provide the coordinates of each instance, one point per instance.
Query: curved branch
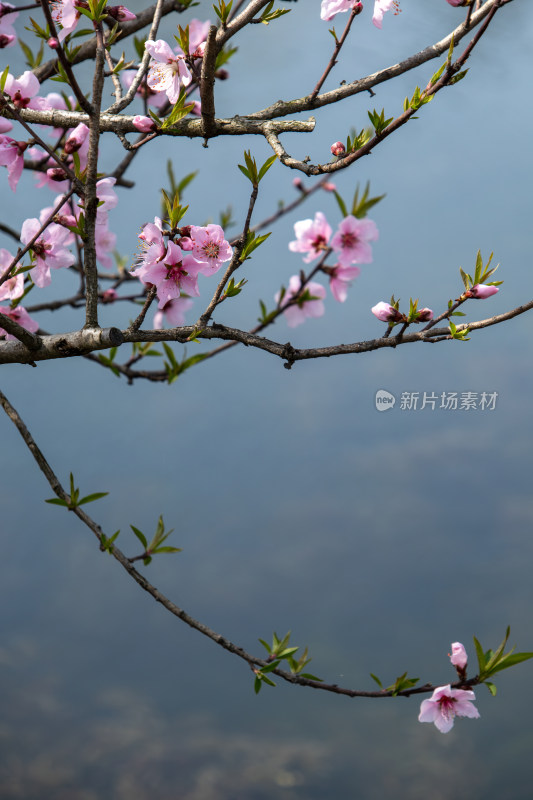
(175, 610)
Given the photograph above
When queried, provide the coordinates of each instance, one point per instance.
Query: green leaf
(480, 656)
(90, 498)
(266, 166)
(3, 78)
(510, 660)
(257, 681)
(56, 501)
(341, 204)
(491, 687)
(377, 680)
(140, 536)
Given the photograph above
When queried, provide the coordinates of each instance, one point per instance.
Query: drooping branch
(253, 661)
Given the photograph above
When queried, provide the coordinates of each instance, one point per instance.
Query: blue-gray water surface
(377, 538)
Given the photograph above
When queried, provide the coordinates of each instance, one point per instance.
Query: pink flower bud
(56, 174)
(480, 291)
(109, 296)
(357, 7)
(337, 148)
(386, 313)
(424, 315)
(298, 184)
(53, 43)
(76, 138)
(458, 657)
(144, 124)
(458, 2)
(329, 187)
(6, 39)
(120, 13)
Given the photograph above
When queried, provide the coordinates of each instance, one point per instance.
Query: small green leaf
(90, 498)
(140, 536)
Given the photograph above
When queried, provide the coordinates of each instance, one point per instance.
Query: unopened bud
(120, 13)
(144, 124)
(53, 43)
(337, 148)
(76, 138)
(481, 291)
(424, 315)
(56, 174)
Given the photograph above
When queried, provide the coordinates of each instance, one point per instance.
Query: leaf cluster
(155, 545)
(75, 501)
(280, 651)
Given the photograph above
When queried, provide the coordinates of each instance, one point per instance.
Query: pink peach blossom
(8, 35)
(209, 247)
(445, 704)
(20, 315)
(12, 288)
(12, 158)
(172, 276)
(168, 72)
(308, 302)
(174, 311)
(312, 237)
(458, 657)
(340, 280)
(49, 249)
(380, 7)
(351, 241)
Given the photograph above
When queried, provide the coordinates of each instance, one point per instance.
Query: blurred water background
(376, 538)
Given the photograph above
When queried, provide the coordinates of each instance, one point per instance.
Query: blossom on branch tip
(386, 313)
(120, 13)
(458, 656)
(481, 291)
(337, 148)
(307, 302)
(458, 2)
(168, 72)
(21, 316)
(445, 704)
(351, 241)
(312, 237)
